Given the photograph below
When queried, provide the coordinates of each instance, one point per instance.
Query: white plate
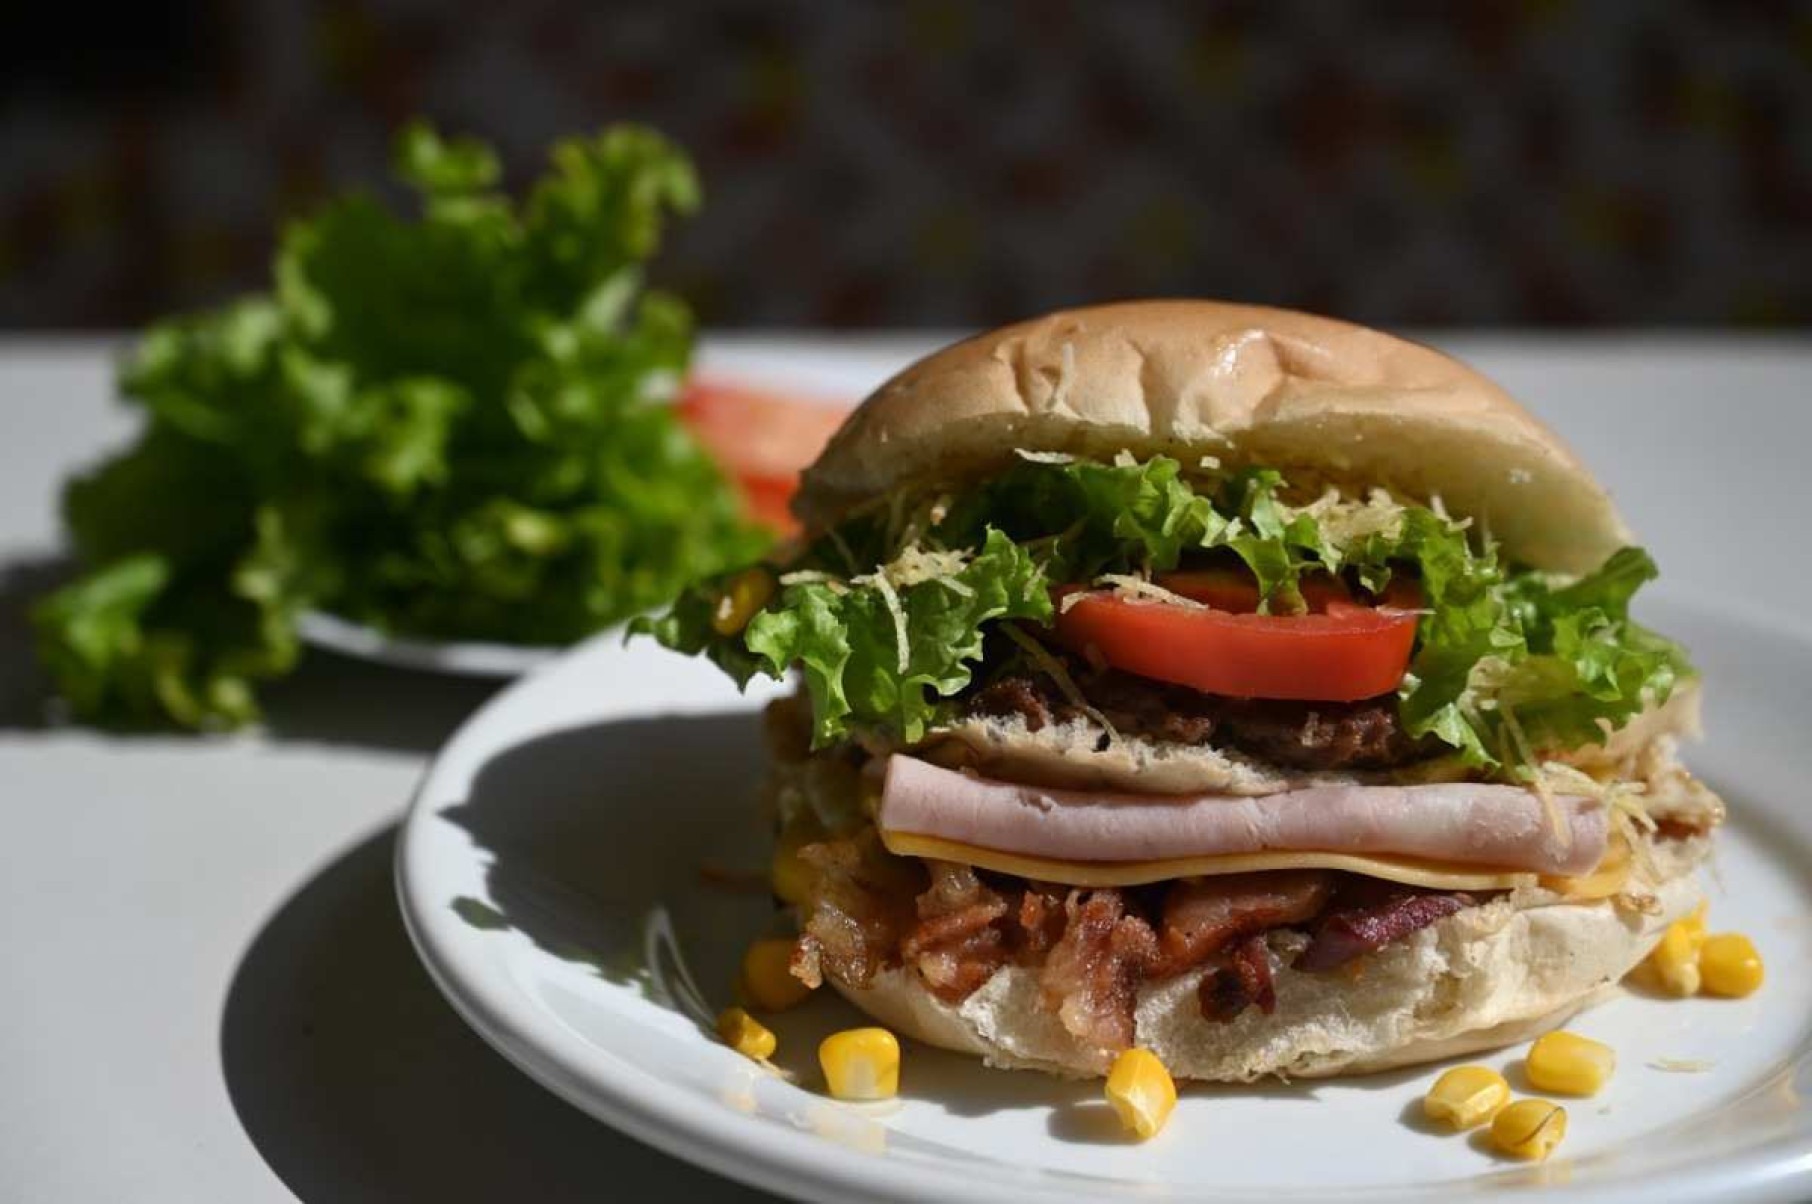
(461, 658)
(550, 875)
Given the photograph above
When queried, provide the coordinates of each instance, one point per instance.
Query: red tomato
(762, 439)
(1343, 654)
(1231, 590)
(767, 500)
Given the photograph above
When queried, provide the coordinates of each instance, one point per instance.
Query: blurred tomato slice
(762, 438)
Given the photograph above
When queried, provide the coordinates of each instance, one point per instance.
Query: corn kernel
(789, 876)
(767, 976)
(743, 597)
(861, 1064)
(1466, 1096)
(1675, 961)
(746, 1035)
(1141, 1092)
(1569, 1064)
(1529, 1128)
(1730, 966)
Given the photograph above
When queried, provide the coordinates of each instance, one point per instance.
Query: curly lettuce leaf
(1586, 667)
(1088, 518)
(449, 424)
(1145, 516)
(1507, 668)
(846, 641)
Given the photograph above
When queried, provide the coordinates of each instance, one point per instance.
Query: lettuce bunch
(889, 615)
(448, 426)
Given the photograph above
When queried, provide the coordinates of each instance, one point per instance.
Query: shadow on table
(334, 699)
(24, 690)
(356, 1081)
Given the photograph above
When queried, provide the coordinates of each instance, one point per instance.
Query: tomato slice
(763, 439)
(1342, 654)
(1232, 590)
(767, 500)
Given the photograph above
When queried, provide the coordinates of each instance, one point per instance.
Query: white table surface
(208, 992)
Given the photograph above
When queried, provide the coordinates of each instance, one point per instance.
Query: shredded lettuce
(1509, 667)
(447, 425)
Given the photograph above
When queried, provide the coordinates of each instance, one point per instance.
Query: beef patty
(1293, 735)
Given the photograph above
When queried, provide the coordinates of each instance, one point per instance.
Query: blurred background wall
(1533, 162)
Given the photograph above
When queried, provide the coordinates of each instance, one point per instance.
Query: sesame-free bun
(1319, 399)
(1483, 978)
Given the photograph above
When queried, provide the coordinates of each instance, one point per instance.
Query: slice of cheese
(1435, 875)
(1611, 876)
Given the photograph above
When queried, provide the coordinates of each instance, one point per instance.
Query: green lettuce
(449, 425)
(847, 642)
(1587, 665)
(1508, 666)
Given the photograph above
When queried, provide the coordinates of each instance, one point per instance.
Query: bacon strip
(1371, 914)
(956, 945)
(1041, 921)
(1245, 980)
(1092, 950)
(860, 912)
(1093, 973)
(1202, 916)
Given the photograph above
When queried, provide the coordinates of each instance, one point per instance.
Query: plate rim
(773, 1157)
(466, 658)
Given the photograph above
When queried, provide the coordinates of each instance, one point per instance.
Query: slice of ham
(1504, 827)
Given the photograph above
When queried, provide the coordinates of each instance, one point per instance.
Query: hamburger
(1240, 684)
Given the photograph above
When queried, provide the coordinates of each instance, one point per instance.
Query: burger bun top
(1323, 401)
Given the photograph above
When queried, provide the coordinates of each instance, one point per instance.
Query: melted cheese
(1435, 875)
(1611, 876)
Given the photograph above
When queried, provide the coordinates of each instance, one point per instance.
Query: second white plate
(463, 658)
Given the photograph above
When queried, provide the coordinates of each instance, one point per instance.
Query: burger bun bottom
(1486, 977)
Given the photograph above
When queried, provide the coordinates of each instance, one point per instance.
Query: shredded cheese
(1126, 584)
(1629, 817)
(891, 597)
(1557, 820)
(915, 565)
(1345, 521)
